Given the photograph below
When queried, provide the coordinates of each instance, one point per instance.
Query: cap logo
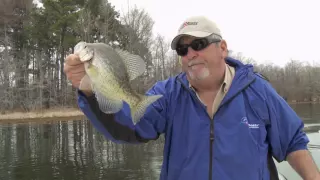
(187, 24)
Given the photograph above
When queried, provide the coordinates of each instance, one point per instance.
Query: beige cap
(197, 26)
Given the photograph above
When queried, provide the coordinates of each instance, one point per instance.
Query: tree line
(297, 81)
(34, 42)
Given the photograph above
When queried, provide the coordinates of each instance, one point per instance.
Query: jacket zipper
(212, 134)
(211, 149)
(211, 122)
(211, 128)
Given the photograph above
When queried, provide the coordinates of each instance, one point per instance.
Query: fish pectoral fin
(85, 84)
(139, 110)
(135, 64)
(108, 105)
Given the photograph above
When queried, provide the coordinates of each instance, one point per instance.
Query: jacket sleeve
(119, 127)
(285, 129)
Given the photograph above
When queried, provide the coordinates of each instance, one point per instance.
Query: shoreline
(304, 102)
(61, 114)
(48, 115)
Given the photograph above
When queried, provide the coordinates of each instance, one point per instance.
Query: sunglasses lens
(199, 44)
(196, 45)
(182, 50)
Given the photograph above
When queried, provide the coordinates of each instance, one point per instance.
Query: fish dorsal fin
(134, 63)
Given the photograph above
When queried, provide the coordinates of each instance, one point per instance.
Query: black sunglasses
(197, 45)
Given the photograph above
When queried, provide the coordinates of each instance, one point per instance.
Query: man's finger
(72, 60)
(76, 76)
(74, 68)
(78, 70)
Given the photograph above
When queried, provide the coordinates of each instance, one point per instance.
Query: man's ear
(224, 48)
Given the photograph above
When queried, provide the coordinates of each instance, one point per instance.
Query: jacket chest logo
(245, 121)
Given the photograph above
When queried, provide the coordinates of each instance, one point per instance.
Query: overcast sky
(268, 31)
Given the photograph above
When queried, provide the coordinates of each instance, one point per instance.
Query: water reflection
(74, 150)
(310, 113)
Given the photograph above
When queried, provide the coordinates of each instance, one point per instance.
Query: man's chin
(199, 75)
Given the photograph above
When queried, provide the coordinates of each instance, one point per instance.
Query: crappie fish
(108, 74)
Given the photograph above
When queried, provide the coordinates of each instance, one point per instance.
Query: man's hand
(301, 161)
(75, 71)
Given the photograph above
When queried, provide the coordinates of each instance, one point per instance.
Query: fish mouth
(86, 55)
(84, 52)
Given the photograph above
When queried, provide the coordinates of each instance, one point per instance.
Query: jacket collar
(244, 76)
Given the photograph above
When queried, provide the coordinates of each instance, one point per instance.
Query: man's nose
(191, 53)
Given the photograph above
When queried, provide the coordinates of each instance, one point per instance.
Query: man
(221, 121)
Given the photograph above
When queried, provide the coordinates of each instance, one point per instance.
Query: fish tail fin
(138, 110)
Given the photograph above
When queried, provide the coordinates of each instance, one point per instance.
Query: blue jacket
(252, 123)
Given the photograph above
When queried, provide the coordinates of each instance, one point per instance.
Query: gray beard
(200, 76)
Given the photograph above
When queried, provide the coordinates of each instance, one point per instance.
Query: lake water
(74, 150)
